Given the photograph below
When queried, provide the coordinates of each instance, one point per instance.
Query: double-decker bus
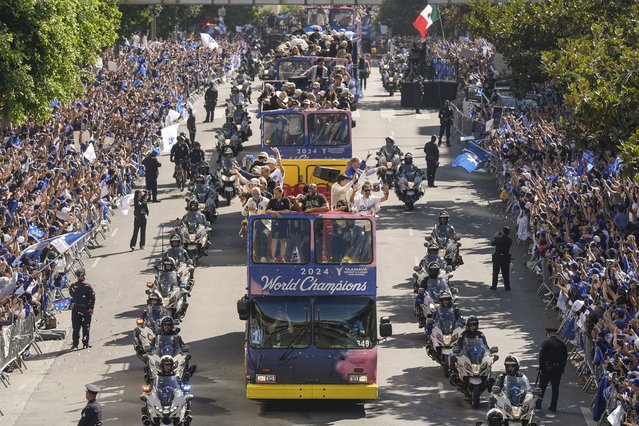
(310, 310)
(308, 139)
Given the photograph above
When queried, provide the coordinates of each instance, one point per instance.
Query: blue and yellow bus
(311, 330)
(308, 139)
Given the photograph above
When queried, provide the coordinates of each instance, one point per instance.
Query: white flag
(172, 117)
(208, 42)
(112, 66)
(89, 153)
(169, 137)
(124, 203)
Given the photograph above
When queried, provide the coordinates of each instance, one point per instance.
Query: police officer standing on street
(210, 101)
(552, 362)
(432, 160)
(190, 126)
(419, 94)
(151, 173)
(445, 121)
(92, 412)
(501, 257)
(82, 303)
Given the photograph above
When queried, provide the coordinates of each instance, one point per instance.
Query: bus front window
(344, 323)
(282, 130)
(341, 18)
(280, 323)
(292, 69)
(328, 129)
(280, 241)
(317, 17)
(343, 241)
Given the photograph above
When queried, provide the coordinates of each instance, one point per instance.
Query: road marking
(440, 386)
(392, 132)
(118, 366)
(95, 262)
(410, 231)
(115, 231)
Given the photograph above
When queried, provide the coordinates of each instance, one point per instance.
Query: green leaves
(44, 46)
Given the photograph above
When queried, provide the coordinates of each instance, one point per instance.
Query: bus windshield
(344, 323)
(317, 16)
(280, 322)
(343, 241)
(328, 129)
(281, 241)
(341, 17)
(284, 129)
(292, 69)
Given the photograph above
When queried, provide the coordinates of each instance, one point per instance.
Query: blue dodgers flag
(471, 157)
(614, 167)
(35, 232)
(589, 158)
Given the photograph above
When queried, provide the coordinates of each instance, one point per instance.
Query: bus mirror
(384, 320)
(353, 124)
(385, 328)
(243, 309)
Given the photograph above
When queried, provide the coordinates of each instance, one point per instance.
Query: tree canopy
(589, 48)
(44, 48)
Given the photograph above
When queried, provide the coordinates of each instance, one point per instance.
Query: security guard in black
(92, 412)
(501, 257)
(432, 160)
(552, 362)
(82, 304)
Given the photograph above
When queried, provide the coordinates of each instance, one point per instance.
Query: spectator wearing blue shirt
(355, 164)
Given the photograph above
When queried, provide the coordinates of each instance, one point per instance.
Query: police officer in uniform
(552, 362)
(432, 160)
(501, 257)
(190, 126)
(92, 413)
(210, 101)
(445, 121)
(82, 303)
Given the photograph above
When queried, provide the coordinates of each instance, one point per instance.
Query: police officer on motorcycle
(209, 178)
(471, 332)
(511, 368)
(388, 151)
(194, 215)
(408, 171)
(179, 255)
(443, 229)
(168, 329)
(179, 152)
(445, 305)
(196, 157)
(154, 304)
(432, 255)
(205, 194)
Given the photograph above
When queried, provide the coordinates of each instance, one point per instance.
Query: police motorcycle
(228, 136)
(391, 77)
(448, 242)
(148, 325)
(168, 345)
(408, 183)
(229, 184)
(513, 400)
(388, 159)
(472, 372)
(242, 80)
(429, 292)
(183, 263)
(167, 399)
(205, 196)
(446, 327)
(174, 293)
(194, 229)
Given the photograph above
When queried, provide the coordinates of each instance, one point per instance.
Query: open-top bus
(308, 139)
(311, 329)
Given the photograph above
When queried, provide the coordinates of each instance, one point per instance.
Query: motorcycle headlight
(431, 306)
(166, 410)
(411, 185)
(389, 164)
(202, 206)
(516, 411)
(442, 252)
(447, 339)
(476, 369)
(166, 301)
(191, 238)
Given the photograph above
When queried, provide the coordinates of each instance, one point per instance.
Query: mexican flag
(428, 17)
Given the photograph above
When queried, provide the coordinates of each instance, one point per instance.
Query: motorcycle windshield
(166, 346)
(474, 349)
(437, 287)
(446, 321)
(166, 389)
(166, 281)
(516, 389)
(156, 313)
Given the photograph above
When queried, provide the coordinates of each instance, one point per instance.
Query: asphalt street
(412, 387)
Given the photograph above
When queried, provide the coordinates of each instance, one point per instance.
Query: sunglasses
(366, 190)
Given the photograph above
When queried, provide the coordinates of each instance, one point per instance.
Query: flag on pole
(124, 203)
(428, 17)
(471, 157)
(208, 42)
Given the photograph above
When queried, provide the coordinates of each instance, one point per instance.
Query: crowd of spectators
(581, 217)
(64, 174)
